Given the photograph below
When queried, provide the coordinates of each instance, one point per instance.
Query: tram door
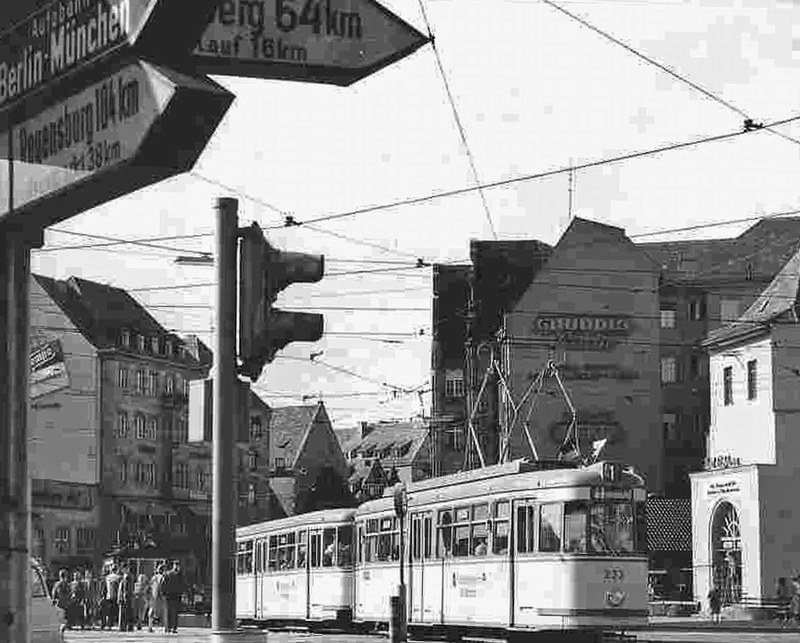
(315, 540)
(420, 571)
(523, 579)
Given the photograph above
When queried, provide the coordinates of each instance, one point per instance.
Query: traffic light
(265, 271)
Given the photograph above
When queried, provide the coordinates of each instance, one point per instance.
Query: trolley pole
(223, 541)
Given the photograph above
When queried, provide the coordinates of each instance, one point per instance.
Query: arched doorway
(726, 552)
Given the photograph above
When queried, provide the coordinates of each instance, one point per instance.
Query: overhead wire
(457, 118)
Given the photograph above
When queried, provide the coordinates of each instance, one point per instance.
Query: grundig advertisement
(48, 370)
(583, 332)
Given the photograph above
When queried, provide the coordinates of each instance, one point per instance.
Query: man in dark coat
(173, 588)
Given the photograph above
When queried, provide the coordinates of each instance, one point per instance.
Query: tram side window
(273, 553)
(479, 536)
(316, 549)
(575, 523)
(416, 538)
(445, 532)
(302, 548)
(428, 536)
(259, 552)
(344, 553)
(328, 547)
(526, 528)
(381, 542)
(461, 532)
(286, 546)
(550, 523)
(500, 527)
(244, 557)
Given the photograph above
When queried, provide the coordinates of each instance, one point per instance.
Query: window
(612, 528)
(85, 537)
(152, 429)
(752, 379)
(344, 546)
(141, 342)
(140, 382)
(668, 317)
(550, 527)
(256, 430)
(575, 522)
(454, 385)
(126, 338)
(61, 541)
(123, 470)
(152, 384)
(381, 540)
(154, 345)
(181, 433)
(669, 423)
(727, 385)
(302, 549)
(728, 310)
(252, 458)
(500, 527)
(123, 425)
(526, 528)
(139, 426)
(122, 377)
(202, 480)
(244, 557)
(168, 347)
(669, 369)
(280, 463)
(697, 309)
(251, 493)
(464, 531)
(181, 476)
(169, 384)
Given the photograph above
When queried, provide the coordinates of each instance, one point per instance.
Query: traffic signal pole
(15, 499)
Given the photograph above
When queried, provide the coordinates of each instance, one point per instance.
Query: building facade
(745, 518)
(623, 322)
(109, 405)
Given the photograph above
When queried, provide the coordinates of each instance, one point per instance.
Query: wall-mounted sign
(575, 371)
(582, 332)
(723, 487)
(48, 370)
(725, 461)
(591, 427)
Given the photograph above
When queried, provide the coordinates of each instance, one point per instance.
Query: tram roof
(312, 518)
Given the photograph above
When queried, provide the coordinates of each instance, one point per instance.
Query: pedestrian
(125, 600)
(141, 594)
(783, 597)
(173, 589)
(77, 598)
(92, 598)
(111, 615)
(157, 602)
(715, 603)
(61, 596)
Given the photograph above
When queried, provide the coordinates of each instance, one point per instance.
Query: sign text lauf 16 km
(69, 36)
(323, 41)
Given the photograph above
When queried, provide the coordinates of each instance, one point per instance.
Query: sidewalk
(698, 622)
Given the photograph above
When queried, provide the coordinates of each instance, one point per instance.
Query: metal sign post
(398, 628)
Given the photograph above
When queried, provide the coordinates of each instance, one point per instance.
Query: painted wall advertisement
(48, 370)
(583, 331)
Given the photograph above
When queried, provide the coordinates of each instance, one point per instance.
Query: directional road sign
(136, 126)
(69, 36)
(319, 41)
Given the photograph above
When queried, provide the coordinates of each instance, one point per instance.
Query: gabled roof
(290, 426)
(100, 312)
(777, 302)
(387, 438)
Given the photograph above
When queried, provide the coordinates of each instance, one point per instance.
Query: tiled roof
(669, 524)
(100, 312)
(290, 424)
(775, 301)
(387, 438)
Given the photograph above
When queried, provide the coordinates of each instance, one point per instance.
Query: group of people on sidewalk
(786, 600)
(119, 599)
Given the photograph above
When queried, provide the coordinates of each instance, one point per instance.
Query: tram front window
(611, 528)
(575, 527)
(328, 546)
(344, 554)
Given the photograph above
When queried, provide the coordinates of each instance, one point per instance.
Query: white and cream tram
(519, 547)
(296, 569)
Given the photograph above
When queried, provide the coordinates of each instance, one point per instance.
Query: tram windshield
(599, 528)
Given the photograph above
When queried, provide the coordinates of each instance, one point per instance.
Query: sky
(536, 91)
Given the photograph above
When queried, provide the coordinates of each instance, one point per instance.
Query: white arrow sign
(324, 41)
(109, 125)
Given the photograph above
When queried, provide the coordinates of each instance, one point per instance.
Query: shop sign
(48, 372)
(575, 371)
(723, 487)
(583, 332)
(725, 461)
(591, 427)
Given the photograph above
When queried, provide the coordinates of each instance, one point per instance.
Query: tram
(297, 569)
(519, 547)
(514, 548)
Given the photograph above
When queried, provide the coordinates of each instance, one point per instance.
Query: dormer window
(141, 342)
(154, 345)
(125, 338)
(168, 348)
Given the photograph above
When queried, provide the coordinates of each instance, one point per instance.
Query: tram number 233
(613, 575)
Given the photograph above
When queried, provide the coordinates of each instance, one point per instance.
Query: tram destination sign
(317, 41)
(68, 36)
(137, 125)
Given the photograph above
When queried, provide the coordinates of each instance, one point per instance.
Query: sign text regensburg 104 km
(66, 35)
(325, 41)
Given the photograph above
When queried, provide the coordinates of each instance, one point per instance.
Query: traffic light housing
(265, 271)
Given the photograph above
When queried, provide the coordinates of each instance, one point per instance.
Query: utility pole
(15, 499)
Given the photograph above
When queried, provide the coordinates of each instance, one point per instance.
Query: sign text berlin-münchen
(56, 40)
